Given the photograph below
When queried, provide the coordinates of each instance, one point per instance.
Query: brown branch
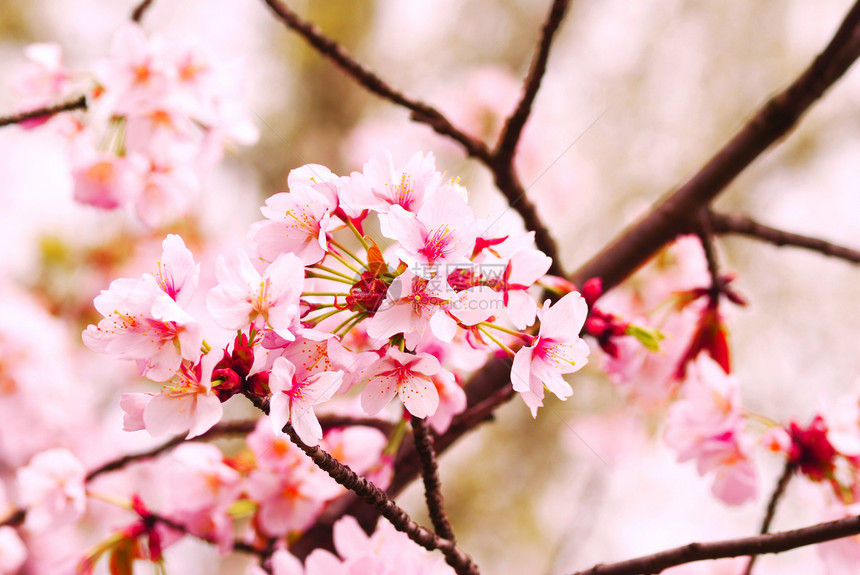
(421, 112)
(510, 136)
(430, 474)
(502, 168)
(374, 496)
(140, 10)
(674, 214)
(730, 224)
(777, 494)
(217, 431)
(757, 545)
(79, 103)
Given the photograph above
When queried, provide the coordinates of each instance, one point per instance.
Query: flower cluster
(311, 317)
(159, 118)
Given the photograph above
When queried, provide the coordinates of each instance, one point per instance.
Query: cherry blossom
(51, 486)
(407, 375)
(293, 398)
(557, 350)
(441, 236)
(143, 323)
(380, 185)
(243, 294)
(297, 223)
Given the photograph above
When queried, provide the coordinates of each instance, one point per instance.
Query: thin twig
(777, 494)
(79, 103)
(503, 170)
(430, 473)
(675, 212)
(421, 112)
(374, 496)
(513, 127)
(217, 431)
(731, 224)
(140, 10)
(756, 545)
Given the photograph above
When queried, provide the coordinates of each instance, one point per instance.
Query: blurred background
(637, 96)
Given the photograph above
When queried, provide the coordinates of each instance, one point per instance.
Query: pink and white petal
(521, 370)
(322, 386)
(350, 540)
(477, 304)
(307, 425)
(528, 266)
(208, 412)
(168, 414)
(285, 563)
(378, 393)
(443, 326)
(403, 226)
(566, 318)
(521, 308)
(419, 396)
(281, 377)
(133, 405)
(387, 322)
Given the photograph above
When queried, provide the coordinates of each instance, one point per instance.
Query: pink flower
(143, 323)
(442, 233)
(709, 407)
(385, 551)
(188, 404)
(177, 273)
(407, 375)
(411, 305)
(41, 82)
(51, 487)
(242, 294)
(105, 181)
(707, 425)
(381, 185)
(136, 71)
(297, 223)
(293, 398)
(557, 350)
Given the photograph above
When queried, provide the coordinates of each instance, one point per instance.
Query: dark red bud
(595, 326)
(591, 290)
(226, 383)
(258, 385)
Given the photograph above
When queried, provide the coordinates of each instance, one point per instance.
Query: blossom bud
(258, 385)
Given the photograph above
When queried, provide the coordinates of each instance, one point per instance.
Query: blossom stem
(345, 324)
(325, 277)
(325, 293)
(326, 315)
(357, 234)
(331, 271)
(344, 262)
(348, 252)
(496, 341)
(432, 484)
(523, 336)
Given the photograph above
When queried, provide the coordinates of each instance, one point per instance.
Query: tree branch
(731, 224)
(777, 494)
(757, 545)
(140, 10)
(502, 168)
(377, 498)
(79, 103)
(421, 112)
(510, 136)
(674, 213)
(430, 474)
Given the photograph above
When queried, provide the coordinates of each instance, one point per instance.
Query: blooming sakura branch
(317, 310)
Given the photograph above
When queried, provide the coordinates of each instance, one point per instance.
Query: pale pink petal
(419, 396)
(378, 393)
